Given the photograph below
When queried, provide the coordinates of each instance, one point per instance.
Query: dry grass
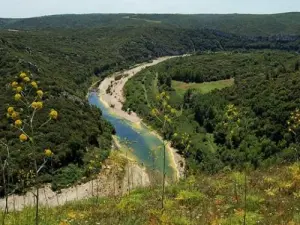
(273, 197)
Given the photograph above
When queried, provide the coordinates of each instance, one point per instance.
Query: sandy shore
(114, 179)
(115, 98)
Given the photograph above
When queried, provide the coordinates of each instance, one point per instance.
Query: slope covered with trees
(241, 24)
(248, 123)
(67, 61)
(253, 123)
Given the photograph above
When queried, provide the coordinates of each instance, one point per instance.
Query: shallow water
(145, 146)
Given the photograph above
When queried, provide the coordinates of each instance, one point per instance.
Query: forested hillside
(66, 61)
(235, 101)
(249, 123)
(242, 24)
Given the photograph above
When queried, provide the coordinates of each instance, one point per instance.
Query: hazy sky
(30, 8)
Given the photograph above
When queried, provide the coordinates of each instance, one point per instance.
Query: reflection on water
(146, 147)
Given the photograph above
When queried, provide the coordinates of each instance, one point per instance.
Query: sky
(32, 8)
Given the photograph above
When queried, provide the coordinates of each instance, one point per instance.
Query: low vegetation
(255, 197)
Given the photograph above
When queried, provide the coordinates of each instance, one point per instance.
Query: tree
(28, 102)
(164, 114)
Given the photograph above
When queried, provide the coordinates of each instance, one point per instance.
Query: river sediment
(111, 95)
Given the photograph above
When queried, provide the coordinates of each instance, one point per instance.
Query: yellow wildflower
(154, 112)
(18, 97)
(26, 79)
(72, 215)
(34, 84)
(48, 153)
(10, 110)
(14, 84)
(15, 115)
(23, 137)
(53, 114)
(23, 75)
(18, 123)
(19, 89)
(40, 93)
(37, 105)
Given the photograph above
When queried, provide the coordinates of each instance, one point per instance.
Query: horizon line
(144, 13)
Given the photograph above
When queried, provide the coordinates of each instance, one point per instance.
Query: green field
(206, 87)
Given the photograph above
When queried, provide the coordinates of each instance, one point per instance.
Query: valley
(190, 119)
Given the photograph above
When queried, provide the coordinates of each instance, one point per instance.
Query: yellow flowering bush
(19, 89)
(22, 116)
(10, 110)
(37, 105)
(294, 121)
(18, 97)
(48, 153)
(26, 79)
(164, 113)
(14, 84)
(40, 93)
(53, 114)
(23, 75)
(15, 115)
(18, 123)
(34, 84)
(23, 137)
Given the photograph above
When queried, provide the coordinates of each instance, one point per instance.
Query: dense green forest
(254, 25)
(244, 124)
(65, 62)
(242, 111)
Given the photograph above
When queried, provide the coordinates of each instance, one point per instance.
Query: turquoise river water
(145, 146)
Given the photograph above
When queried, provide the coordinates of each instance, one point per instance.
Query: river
(146, 147)
(144, 144)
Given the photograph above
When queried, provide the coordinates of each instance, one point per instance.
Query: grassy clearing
(206, 87)
(141, 19)
(272, 198)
